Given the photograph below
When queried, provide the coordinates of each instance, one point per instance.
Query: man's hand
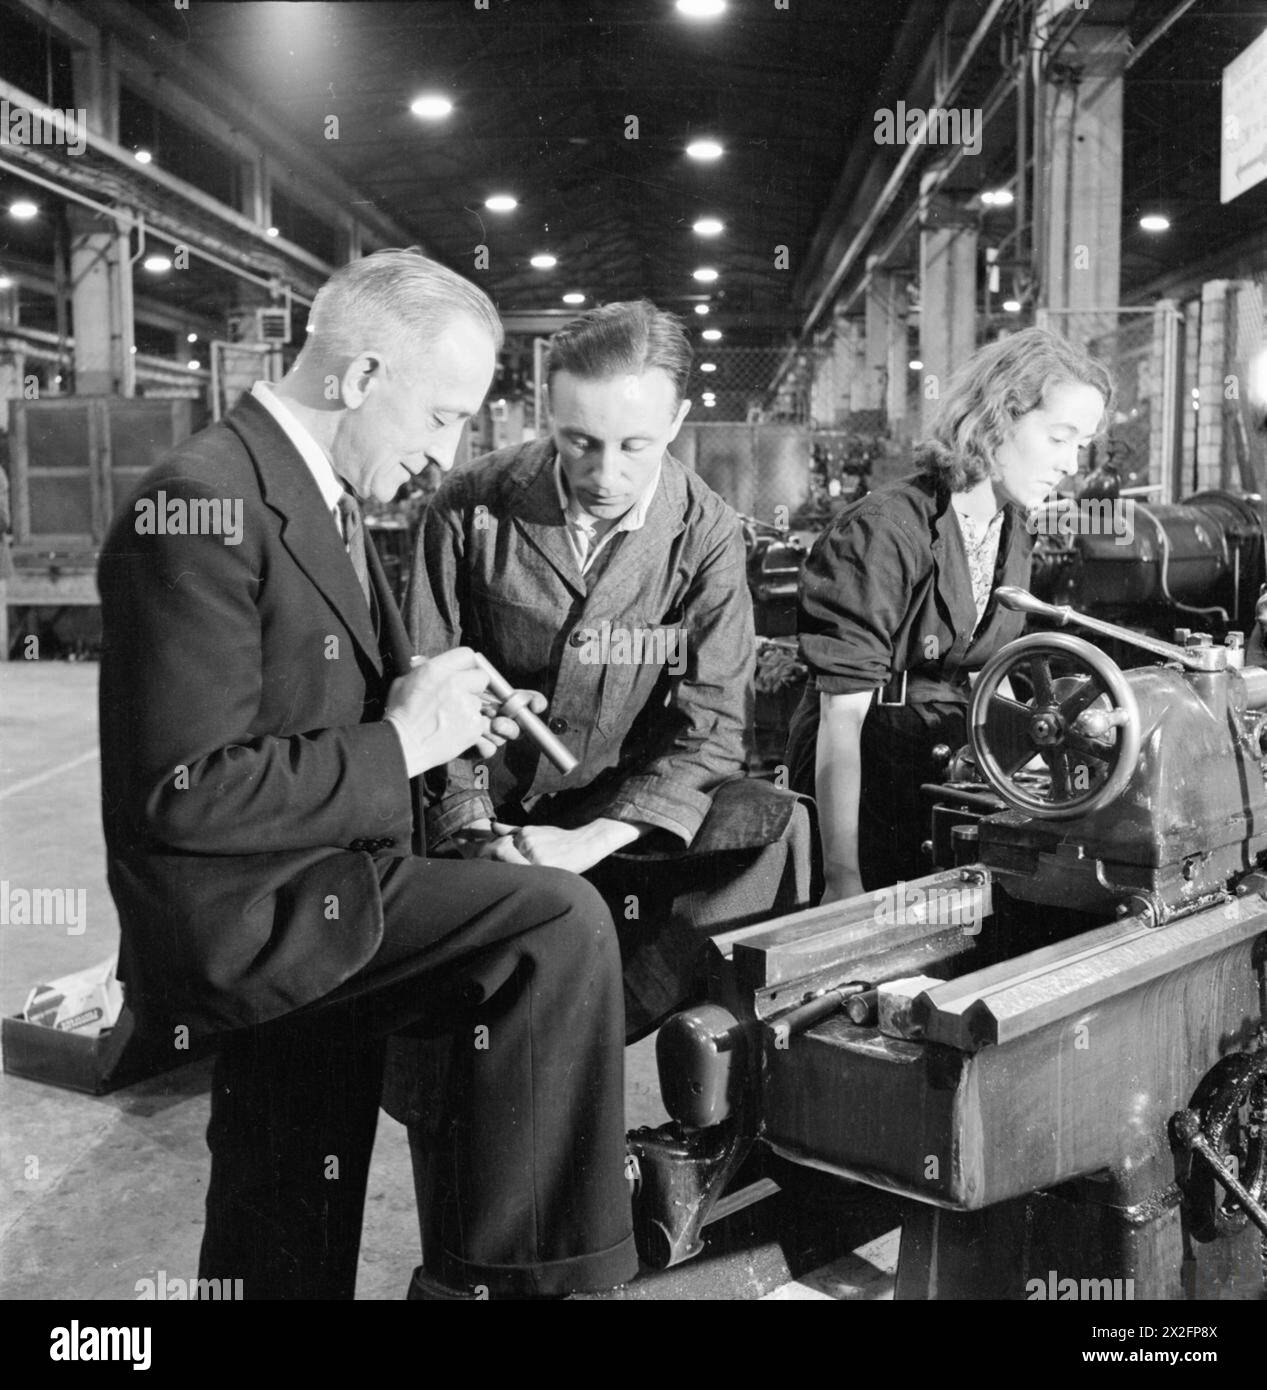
(441, 708)
(576, 850)
(487, 839)
(547, 846)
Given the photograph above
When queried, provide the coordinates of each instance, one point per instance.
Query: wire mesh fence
(746, 384)
(761, 470)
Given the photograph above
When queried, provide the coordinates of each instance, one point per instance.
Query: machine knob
(1199, 639)
(1181, 636)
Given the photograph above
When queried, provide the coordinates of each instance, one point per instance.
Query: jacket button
(578, 638)
(558, 726)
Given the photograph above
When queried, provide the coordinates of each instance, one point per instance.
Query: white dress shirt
(580, 526)
(332, 489)
(310, 451)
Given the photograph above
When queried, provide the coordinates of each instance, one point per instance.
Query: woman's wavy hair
(985, 398)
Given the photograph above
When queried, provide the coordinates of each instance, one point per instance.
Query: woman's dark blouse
(886, 589)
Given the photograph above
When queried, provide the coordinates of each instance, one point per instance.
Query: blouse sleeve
(856, 589)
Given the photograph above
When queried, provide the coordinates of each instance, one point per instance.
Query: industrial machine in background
(1150, 566)
(1052, 1048)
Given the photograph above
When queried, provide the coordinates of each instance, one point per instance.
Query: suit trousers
(519, 968)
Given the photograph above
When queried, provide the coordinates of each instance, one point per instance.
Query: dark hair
(614, 339)
(997, 385)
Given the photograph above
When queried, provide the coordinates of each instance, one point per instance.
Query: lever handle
(1022, 601)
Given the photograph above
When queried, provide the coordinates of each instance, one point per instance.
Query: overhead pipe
(126, 219)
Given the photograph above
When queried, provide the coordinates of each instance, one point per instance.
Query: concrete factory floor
(101, 1192)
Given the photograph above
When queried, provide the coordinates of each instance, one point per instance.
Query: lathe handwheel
(1082, 721)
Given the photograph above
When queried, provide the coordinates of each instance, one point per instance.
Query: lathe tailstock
(1055, 1051)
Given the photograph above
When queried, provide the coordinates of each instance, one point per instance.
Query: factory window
(294, 222)
(36, 62)
(177, 148)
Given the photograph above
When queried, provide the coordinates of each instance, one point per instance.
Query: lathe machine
(1052, 1047)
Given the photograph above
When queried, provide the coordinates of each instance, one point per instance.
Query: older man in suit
(263, 738)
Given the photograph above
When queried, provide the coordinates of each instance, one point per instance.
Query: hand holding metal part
(512, 704)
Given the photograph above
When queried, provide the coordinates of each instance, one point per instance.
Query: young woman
(896, 609)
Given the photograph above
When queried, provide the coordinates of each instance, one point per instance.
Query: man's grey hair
(398, 302)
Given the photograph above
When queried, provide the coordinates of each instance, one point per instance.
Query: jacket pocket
(637, 657)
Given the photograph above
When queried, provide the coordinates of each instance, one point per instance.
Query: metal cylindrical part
(1255, 678)
(558, 753)
(813, 1010)
(863, 1009)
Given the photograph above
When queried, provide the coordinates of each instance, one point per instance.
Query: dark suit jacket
(247, 776)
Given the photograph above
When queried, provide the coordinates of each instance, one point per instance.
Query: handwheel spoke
(1088, 747)
(1058, 761)
(1007, 732)
(1040, 677)
(1085, 695)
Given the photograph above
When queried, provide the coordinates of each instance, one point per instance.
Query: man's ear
(360, 376)
(682, 411)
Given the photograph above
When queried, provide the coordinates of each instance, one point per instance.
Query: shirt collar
(310, 451)
(633, 520)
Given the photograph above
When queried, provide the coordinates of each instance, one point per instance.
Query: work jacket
(646, 659)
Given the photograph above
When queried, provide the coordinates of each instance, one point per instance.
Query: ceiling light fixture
(701, 308)
(543, 262)
(1011, 306)
(143, 157)
(704, 149)
(431, 106)
(708, 366)
(998, 197)
(272, 231)
(915, 365)
(711, 335)
(701, 9)
(1154, 222)
(706, 275)
(708, 226)
(574, 297)
(23, 209)
(501, 202)
(157, 265)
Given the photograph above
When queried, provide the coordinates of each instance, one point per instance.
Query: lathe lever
(1194, 658)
